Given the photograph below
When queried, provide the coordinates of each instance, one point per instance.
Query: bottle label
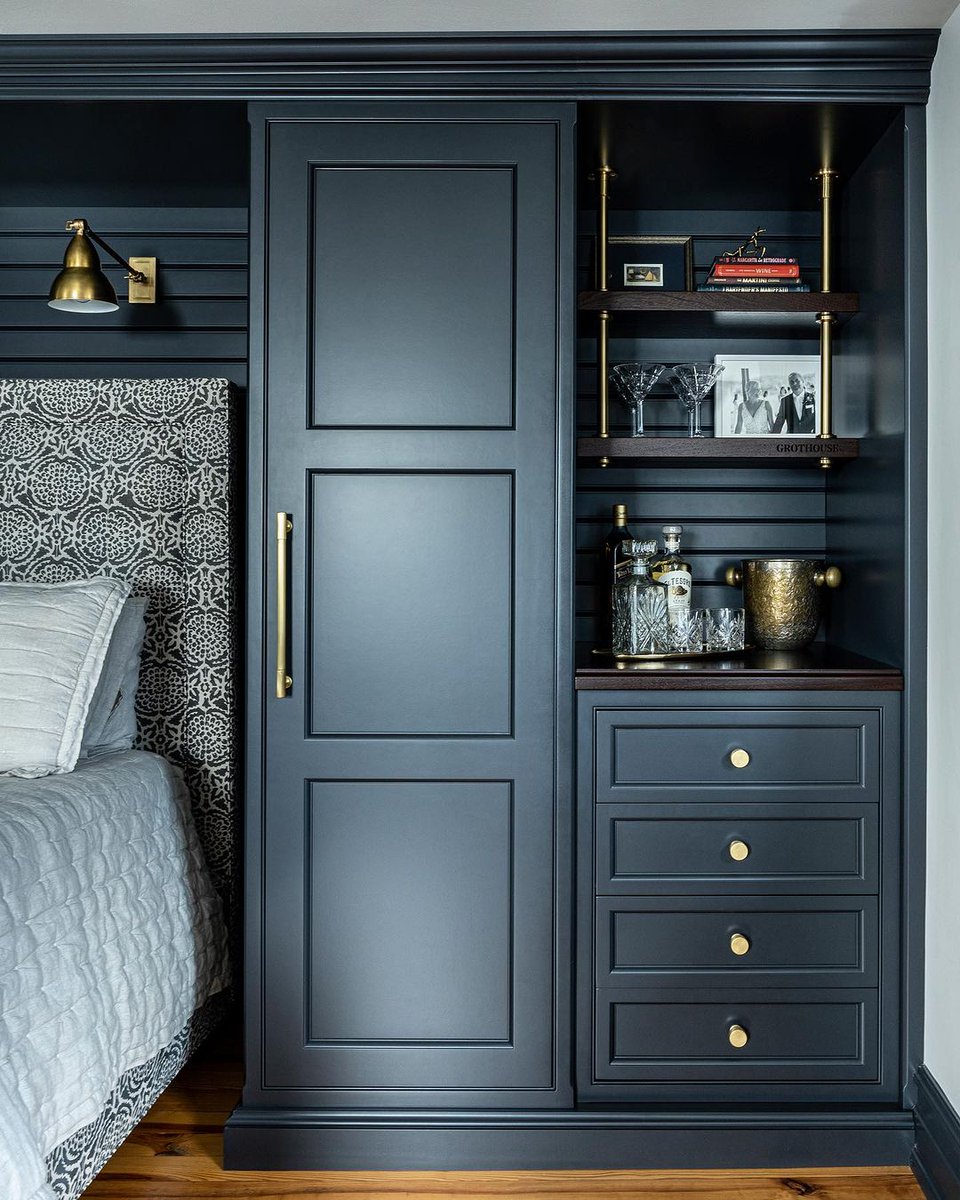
(679, 585)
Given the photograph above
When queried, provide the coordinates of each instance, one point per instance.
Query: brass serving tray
(671, 655)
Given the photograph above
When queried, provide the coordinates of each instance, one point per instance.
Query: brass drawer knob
(738, 850)
(737, 1036)
(739, 944)
(739, 758)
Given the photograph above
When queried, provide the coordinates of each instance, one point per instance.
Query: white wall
(942, 1038)
(426, 16)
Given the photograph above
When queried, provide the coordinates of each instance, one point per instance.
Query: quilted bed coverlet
(111, 937)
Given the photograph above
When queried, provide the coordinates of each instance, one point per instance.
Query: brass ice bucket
(782, 599)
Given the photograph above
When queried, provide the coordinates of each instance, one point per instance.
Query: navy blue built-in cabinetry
(485, 928)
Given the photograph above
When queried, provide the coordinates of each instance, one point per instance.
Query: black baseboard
(278, 1140)
(936, 1155)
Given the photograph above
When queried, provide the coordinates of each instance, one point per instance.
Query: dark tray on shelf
(768, 451)
(820, 666)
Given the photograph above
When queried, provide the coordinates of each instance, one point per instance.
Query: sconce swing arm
(80, 226)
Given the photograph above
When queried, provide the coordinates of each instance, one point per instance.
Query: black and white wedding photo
(763, 395)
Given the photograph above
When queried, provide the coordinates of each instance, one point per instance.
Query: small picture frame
(767, 395)
(641, 261)
(643, 274)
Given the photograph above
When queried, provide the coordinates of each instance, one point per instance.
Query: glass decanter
(640, 622)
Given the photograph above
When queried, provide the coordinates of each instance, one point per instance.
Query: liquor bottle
(610, 559)
(671, 570)
(640, 621)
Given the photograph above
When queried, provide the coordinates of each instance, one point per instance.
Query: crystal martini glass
(692, 382)
(634, 381)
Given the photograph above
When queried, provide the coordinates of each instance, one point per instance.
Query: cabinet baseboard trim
(284, 1139)
(936, 1155)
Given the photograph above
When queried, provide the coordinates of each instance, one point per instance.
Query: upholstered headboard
(133, 478)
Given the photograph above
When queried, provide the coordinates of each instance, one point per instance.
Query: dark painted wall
(867, 504)
(163, 179)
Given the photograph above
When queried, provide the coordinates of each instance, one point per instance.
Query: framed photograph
(643, 274)
(767, 395)
(635, 261)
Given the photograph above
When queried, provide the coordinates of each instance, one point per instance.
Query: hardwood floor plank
(191, 1178)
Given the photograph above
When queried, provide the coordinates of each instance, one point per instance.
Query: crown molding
(878, 65)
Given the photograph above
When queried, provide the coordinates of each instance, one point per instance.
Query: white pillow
(53, 641)
(112, 716)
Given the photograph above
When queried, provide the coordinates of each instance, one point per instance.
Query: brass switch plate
(143, 293)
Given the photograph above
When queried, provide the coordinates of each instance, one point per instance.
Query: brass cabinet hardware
(737, 1036)
(738, 850)
(740, 758)
(739, 944)
(733, 576)
(284, 529)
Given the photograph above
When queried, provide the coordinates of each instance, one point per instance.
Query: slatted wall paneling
(727, 513)
(197, 327)
(163, 179)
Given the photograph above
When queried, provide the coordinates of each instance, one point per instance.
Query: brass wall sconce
(82, 286)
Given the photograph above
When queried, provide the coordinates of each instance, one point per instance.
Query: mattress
(111, 939)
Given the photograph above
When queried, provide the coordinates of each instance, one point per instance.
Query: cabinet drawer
(657, 1034)
(770, 848)
(824, 754)
(829, 941)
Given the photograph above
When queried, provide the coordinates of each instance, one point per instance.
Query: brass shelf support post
(826, 177)
(603, 175)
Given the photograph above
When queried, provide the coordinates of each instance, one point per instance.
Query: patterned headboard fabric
(133, 478)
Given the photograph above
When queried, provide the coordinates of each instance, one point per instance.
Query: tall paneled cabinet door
(410, 730)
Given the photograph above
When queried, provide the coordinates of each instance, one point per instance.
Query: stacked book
(736, 273)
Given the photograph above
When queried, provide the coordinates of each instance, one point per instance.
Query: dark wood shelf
(777, 305)
(686, 451)
(821, 667)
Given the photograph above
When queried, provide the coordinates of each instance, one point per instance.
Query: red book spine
(758, 271)
(756, 280)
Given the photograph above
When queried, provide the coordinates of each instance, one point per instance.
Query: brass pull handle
(739, 944)
(739, 758)
(737, 1036)
(738, 850)
(829, 577)
(284, 529)
(734, 576)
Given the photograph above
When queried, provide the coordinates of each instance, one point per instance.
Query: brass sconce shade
(82, 286)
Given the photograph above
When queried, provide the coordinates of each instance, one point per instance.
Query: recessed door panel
(410, 583)
(413, 283)
(410, 913)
